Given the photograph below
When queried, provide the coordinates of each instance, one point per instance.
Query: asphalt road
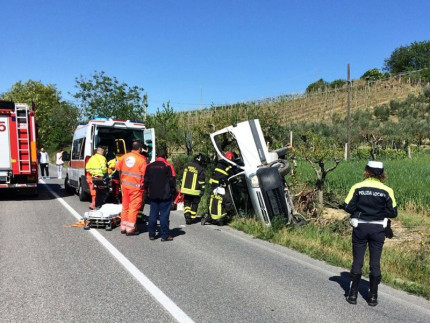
(51, 272)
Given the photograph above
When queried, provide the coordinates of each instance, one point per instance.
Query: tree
(318, 85)
(408, 58)
(317, 150)
(165, 121)
(105, 96)
(56, 119)
(371, 75)
(337, 84)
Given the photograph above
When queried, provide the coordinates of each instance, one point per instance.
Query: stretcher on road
(108, 217)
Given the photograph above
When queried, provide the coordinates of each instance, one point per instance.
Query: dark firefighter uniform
(223, 170)
(370, 203)
(220, 205)
(193, 186)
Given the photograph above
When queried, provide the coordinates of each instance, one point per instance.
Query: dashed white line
(162, 298)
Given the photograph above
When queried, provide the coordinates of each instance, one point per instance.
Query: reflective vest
(97, 166)
(132, 167)
(193, 179)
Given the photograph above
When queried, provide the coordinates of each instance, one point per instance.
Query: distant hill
(320, 105)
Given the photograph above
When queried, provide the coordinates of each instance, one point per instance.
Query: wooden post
(348, 118)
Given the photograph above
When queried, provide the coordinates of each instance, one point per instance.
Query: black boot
(373, 290)
(188, 218)
(353, 289)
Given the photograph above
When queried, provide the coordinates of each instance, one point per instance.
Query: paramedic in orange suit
(132, 171)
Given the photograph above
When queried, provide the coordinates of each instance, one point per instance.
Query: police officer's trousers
(374, 236)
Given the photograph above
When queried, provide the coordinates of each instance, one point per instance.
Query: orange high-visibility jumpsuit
(92, 191)
(132, 167)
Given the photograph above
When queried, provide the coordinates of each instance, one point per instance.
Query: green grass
(409, 179)
(405, 263)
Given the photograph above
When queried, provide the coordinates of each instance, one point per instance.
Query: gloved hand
(388, 231)
(353, 222)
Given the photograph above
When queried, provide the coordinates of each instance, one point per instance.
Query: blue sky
(194, 53)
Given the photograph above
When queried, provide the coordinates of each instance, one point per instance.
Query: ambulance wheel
(69, 189)
(82, 195)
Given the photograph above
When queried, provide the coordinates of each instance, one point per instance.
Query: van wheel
(82, 195)
(69, 189)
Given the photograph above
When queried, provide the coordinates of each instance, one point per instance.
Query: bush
(382, 112)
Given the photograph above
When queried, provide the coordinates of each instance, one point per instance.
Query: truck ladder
(23, 137)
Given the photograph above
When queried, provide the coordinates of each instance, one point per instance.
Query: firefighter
(223, 170)
(97, 178)
(193, 186)
(132, 171)
(220, 205)
(370, 204)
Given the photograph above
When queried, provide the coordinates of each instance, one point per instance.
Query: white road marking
(162, 298)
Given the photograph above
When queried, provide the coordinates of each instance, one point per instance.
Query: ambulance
(115, 136)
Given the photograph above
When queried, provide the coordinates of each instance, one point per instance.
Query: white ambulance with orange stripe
(115, 136)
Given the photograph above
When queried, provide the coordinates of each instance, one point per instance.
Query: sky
(198, 53)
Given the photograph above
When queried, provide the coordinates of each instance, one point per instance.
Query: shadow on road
(344, 281)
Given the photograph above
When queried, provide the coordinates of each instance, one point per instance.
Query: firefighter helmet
(229, 155)
(201, 159)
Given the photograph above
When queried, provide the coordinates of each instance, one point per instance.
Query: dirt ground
(412, 236)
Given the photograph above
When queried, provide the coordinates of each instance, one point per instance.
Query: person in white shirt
(43, 159)
(59, 162)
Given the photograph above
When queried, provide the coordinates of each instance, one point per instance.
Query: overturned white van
(262, 172)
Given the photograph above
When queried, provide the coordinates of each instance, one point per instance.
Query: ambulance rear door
(149, 140)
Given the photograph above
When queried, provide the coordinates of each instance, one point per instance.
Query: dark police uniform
(369, 203)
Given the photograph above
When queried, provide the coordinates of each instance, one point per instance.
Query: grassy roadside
(405, 260)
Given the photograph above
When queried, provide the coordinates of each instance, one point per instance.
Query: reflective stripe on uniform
(132, 174)
(188, 187)
(222, 171)
(218, 200)
(131, 184)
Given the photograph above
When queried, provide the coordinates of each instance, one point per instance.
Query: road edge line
(156, 292)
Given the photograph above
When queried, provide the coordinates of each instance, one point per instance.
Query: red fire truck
(18, 152)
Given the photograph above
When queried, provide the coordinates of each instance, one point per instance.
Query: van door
(149, 140)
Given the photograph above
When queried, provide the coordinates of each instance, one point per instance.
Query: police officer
(220, 205)
(193, 186)
(370, 204)
(223, 170)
